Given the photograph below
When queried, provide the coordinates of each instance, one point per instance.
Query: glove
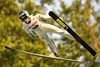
(34, 37)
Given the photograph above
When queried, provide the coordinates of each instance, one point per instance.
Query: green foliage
(12, 35)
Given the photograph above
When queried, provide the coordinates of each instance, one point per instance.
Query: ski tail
(10, 48)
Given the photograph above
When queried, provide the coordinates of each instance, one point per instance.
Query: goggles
(23, 17)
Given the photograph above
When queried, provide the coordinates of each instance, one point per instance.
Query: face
(27, 20)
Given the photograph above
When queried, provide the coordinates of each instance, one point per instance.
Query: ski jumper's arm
(29, 32)
(44, 16)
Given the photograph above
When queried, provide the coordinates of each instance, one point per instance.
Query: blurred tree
(78, 14)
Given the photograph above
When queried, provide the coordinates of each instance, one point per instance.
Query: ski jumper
(41, 29)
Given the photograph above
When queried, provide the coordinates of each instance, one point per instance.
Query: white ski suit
(41, 29)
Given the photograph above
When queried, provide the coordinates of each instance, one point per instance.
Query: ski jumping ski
(61, 22)
(40, 55)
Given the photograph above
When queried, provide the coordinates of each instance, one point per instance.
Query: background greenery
(78, 14)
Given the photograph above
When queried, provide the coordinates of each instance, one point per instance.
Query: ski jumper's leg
(43, 36)
(54, 29)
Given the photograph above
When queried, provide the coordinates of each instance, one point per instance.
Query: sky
(68, 3)
(57, 5)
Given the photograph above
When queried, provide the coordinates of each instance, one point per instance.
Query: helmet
(23, 14)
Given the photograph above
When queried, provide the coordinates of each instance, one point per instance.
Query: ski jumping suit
(41, 30)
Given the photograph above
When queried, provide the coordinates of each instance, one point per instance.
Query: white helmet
(23, 14)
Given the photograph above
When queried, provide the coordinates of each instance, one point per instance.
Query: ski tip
(6, 47)
(9, 48)
(53, 15)
(50, 12)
